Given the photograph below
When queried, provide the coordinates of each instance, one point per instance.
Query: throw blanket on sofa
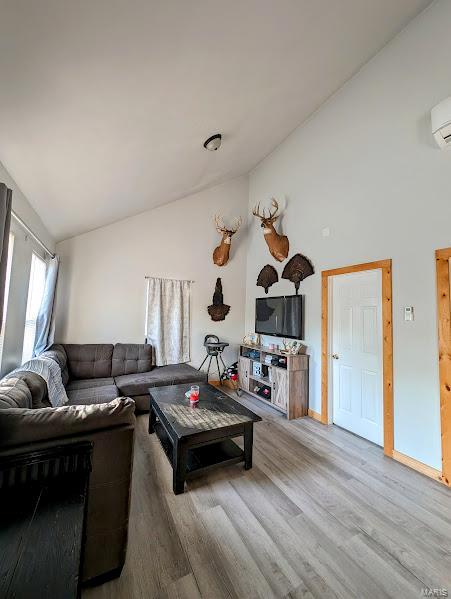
(50, 371)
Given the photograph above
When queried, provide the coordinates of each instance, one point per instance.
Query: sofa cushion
(37, 386)
(89, 383)
(130, 358)
(14, 393)
(19, 426)
(89, 360)
(93, 395)
(142, 402)
(138, 384)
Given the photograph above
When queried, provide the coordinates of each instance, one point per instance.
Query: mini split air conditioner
(441, 123)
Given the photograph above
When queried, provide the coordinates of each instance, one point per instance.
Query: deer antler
(220, 227)
(272, 215)
(256, 212)
(236, 225)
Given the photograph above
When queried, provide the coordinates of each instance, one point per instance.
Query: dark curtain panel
(6, 196)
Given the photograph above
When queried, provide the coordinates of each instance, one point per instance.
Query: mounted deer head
(278, 244)
(221, 253)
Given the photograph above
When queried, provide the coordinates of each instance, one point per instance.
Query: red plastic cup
(194, 394)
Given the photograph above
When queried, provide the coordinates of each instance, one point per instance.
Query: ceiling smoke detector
(213, 143)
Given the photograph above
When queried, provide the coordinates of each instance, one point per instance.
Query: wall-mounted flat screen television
(281, 316)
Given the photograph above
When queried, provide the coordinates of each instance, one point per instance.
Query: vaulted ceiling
(105, 104)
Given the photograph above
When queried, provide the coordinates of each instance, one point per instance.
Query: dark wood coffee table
(197, 438)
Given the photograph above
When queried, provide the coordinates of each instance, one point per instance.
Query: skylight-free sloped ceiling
(105, 104)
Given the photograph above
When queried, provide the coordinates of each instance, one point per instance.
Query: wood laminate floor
(321, 514)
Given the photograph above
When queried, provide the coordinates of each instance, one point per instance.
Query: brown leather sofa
(96, 377)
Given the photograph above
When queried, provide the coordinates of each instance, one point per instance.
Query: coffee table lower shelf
(204, 457)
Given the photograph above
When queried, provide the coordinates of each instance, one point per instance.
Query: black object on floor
(230, 374)
(214, 349)
(43, 497)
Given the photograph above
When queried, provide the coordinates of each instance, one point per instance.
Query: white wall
(23, 208)
(101, 290)
(366, 166)
(24, 246)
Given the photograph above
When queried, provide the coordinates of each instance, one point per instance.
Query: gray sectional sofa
(98, 373)
(100, 379)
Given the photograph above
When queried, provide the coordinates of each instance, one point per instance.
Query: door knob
(335, 356)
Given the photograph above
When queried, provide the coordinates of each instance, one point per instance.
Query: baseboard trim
(402, 458)
(314, 415)
(418, 466)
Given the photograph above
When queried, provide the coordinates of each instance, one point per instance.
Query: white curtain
(168, 320)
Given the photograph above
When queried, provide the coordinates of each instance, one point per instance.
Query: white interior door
(356, 350)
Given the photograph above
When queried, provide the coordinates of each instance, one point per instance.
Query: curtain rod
(169, 279)
(30, 232)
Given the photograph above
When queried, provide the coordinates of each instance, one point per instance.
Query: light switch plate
(408, 313)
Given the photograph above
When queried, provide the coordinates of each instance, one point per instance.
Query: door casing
(442, 262)
(387, 344)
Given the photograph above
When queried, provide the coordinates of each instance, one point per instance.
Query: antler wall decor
(278, 244)
(221, 253)
(297, 269)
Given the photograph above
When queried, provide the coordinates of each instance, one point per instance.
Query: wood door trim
(442, 258)
(417, 465)
(314, 415)
(387, 343)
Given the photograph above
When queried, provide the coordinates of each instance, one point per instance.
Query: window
(35, 293)
(7, 282)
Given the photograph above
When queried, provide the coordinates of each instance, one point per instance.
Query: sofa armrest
(19, 426)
